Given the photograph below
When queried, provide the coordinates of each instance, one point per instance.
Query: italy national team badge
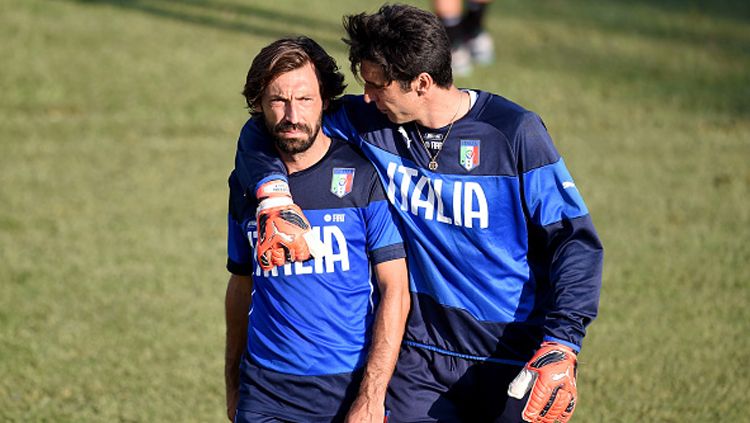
(342, 181)
(468, 156)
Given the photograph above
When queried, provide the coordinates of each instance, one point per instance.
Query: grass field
(118, 122)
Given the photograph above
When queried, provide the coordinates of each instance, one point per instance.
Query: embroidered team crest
(468, 156)
(342, 181)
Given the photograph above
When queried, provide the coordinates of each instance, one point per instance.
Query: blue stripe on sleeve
(551, 195)
(391, 252)
(573, 346)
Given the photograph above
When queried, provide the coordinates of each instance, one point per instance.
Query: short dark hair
(288, 54)
(404, 40)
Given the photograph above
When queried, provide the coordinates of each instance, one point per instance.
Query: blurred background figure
(470, 43)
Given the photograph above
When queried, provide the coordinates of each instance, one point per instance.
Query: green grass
(118, 122)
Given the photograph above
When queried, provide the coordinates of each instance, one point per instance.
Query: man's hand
(284, 234)
(232, 400)
(551, 377)
(365, 411)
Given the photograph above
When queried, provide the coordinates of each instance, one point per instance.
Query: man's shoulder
(503, 114)
(523, 129)
(499, 110)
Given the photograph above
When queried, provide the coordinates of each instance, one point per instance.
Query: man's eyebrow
(374, 84)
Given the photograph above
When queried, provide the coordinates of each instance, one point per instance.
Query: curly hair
(404, 40)
(285, 55)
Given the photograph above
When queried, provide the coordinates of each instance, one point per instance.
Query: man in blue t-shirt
(323, 335)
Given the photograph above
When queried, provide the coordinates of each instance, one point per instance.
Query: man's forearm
(237, 305)
(576, 259)
(388, 331)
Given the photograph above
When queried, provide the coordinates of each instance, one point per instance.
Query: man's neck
(444, 106)
(301, 161)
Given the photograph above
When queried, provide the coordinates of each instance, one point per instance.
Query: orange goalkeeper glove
(284, 234)
(551, 377)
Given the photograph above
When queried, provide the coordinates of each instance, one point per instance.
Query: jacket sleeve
(337, 122)
(564, 249)
(256, 161)
(239, 248)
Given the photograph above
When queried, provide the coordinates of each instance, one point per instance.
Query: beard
(294, 145)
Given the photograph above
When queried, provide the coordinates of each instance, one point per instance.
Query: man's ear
(326, 103)
(423, 83)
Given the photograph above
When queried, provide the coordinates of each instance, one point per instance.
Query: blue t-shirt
(310, 322)
(314, 317)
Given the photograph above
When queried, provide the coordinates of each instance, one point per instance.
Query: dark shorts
(243, 416)
(251, 417)
(433, 387)
(269, 396)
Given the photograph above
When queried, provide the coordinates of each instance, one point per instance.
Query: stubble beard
(295, 145)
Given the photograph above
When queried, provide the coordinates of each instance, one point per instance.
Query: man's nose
(369, 97)
(291, 113)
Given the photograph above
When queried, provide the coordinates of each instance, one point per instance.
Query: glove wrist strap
(275, 188)
(274, 202)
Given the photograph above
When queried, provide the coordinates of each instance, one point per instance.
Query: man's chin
(295, 139)
(392, 117)
(293, 145)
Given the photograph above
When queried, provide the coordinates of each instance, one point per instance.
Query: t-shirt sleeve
(384, 234)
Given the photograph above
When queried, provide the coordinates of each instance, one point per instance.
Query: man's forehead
(372, 73)
(300, 79)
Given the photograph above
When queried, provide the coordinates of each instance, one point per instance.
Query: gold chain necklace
(433, 157)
